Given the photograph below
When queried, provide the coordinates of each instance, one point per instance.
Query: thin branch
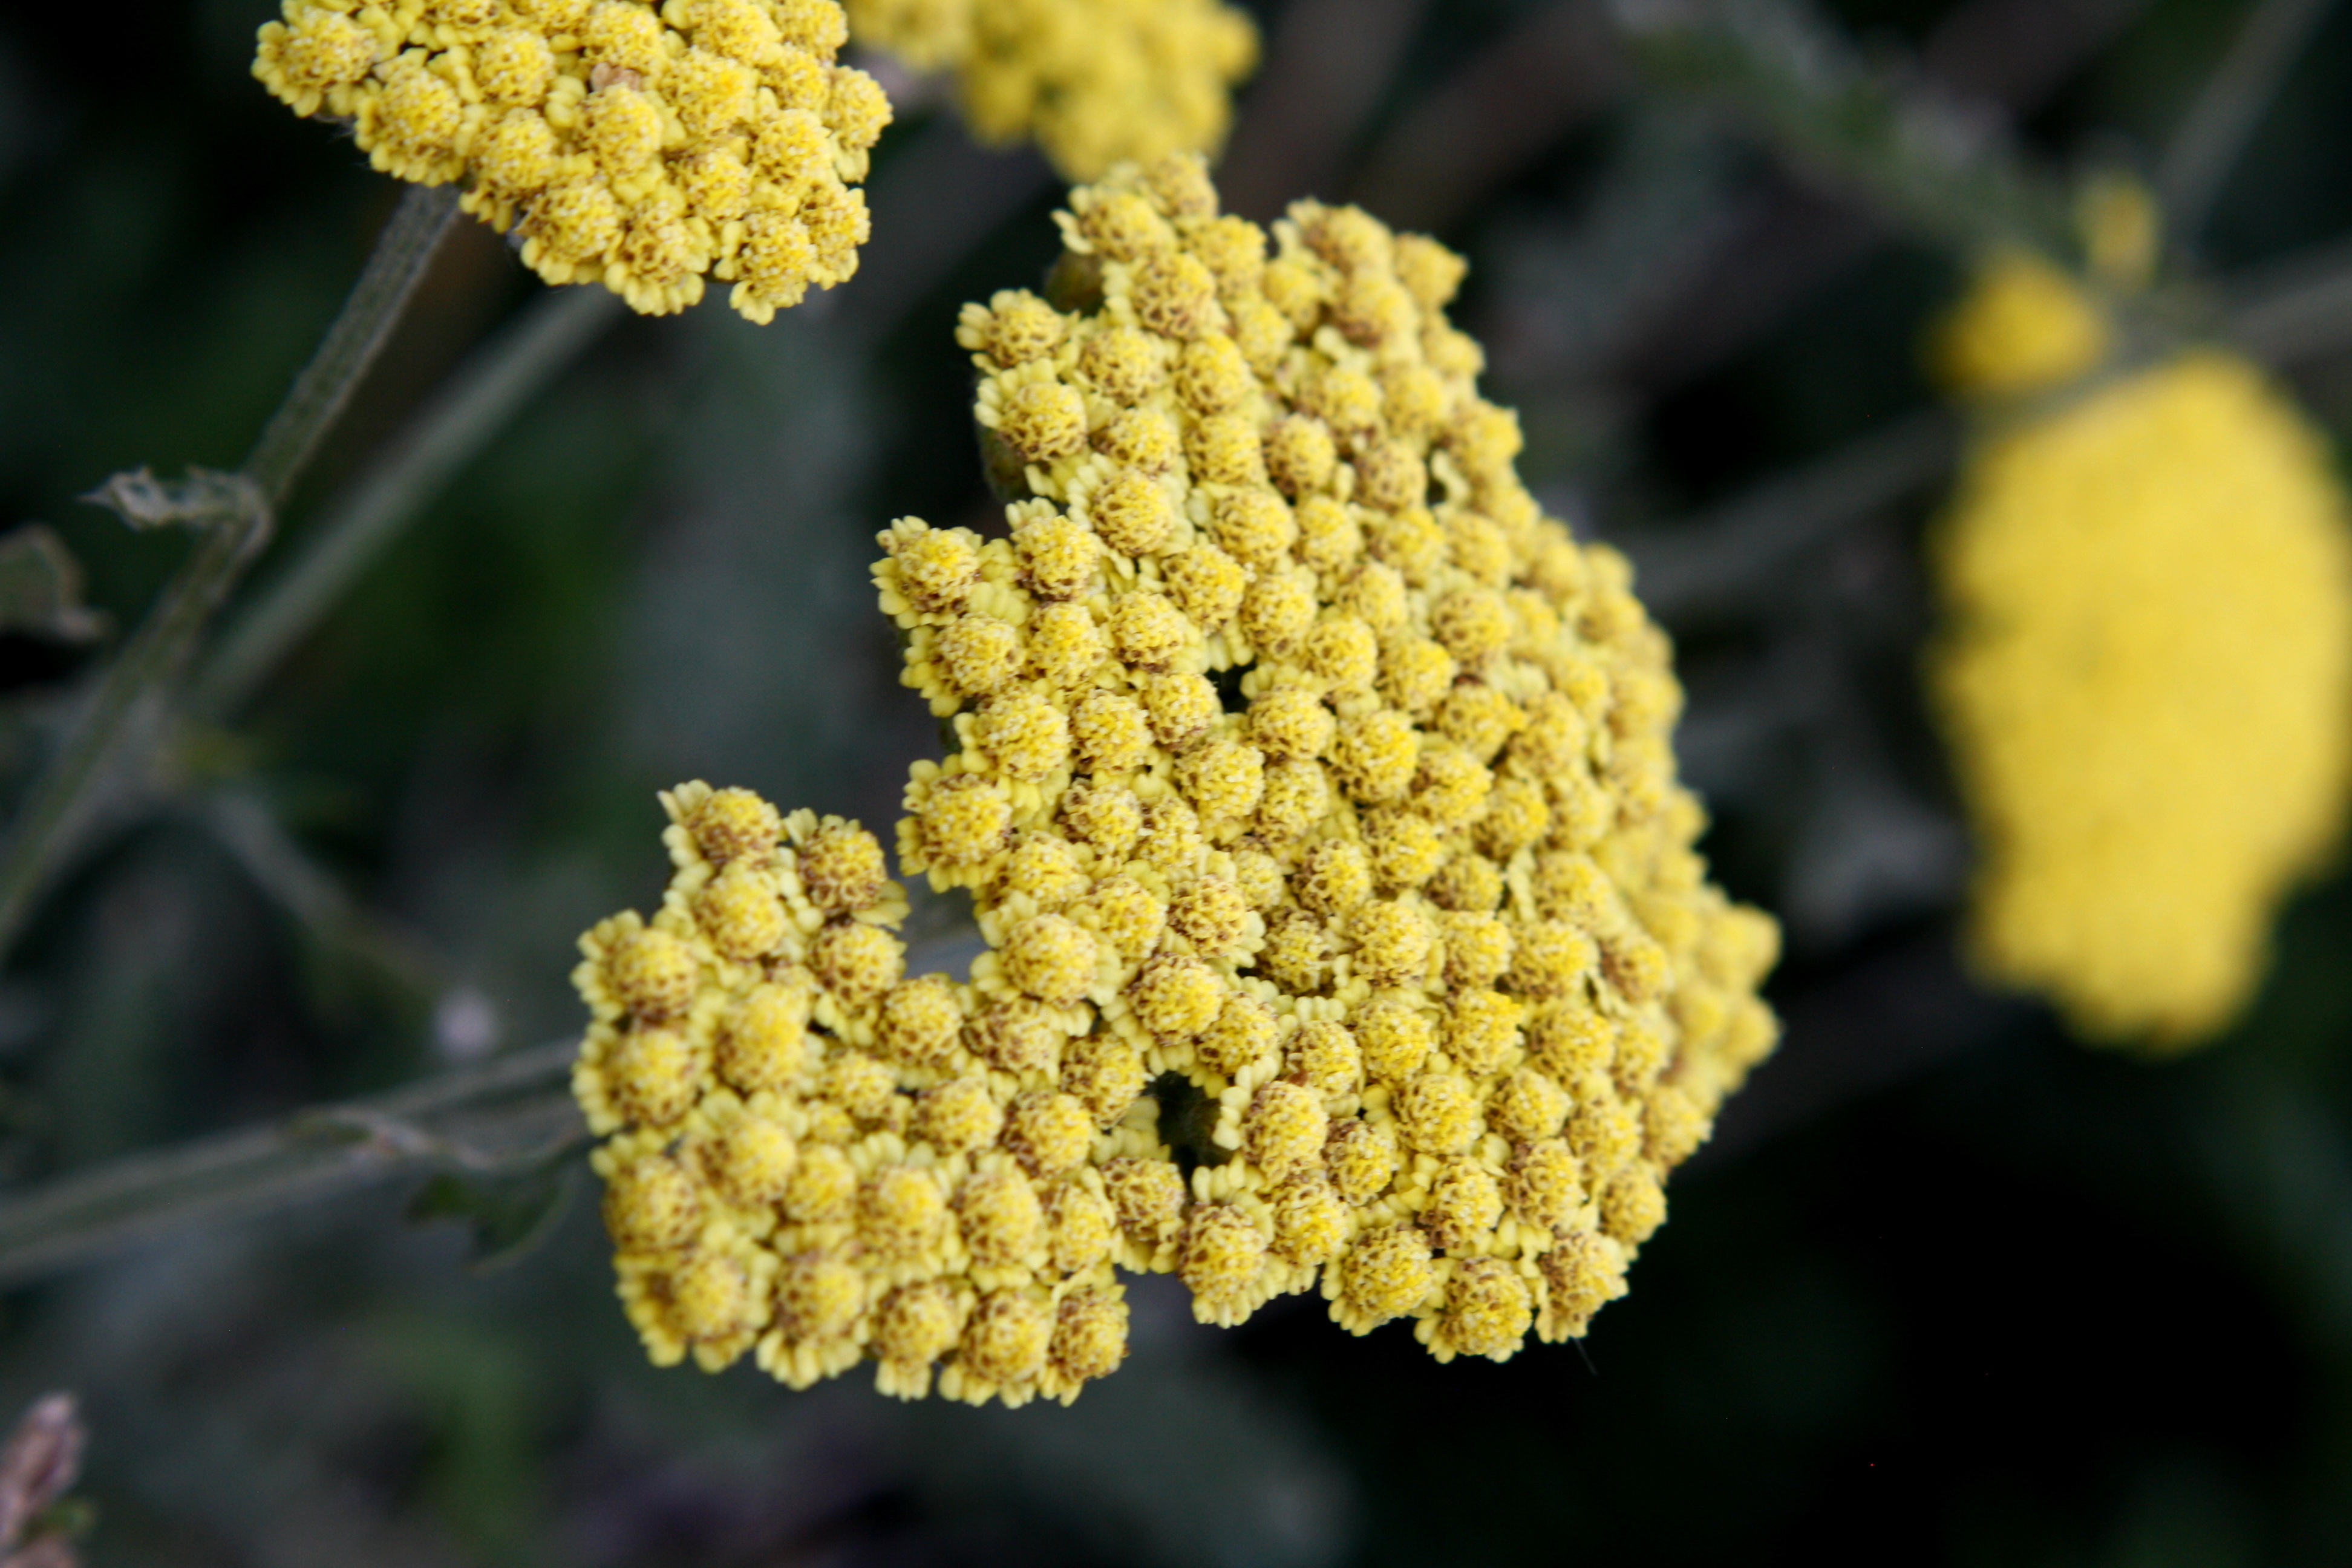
(125, 713)
(233, 515)
(2223, 119)
(1999, 59)
(1945, 169)
(2294, 311)
(325, 915)
(393, 269)
(480, 400)
(510, 1112)
(1729, 555)
(2297, 309)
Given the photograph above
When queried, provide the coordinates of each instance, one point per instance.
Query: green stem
(326, 919)
(1887, 136)
(485, 393)
(2296, 309)
(1732, 555)
(2293, 312)
(508, 1113)
(125, 713)
(402, 252)
(233, 514)
(2219, 124)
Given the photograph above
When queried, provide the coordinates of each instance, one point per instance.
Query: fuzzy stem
(125, 713)
(233, 515)
(1736, 555)
(402, 253)
(510, 1112)
(1740, 553)
(486, 391)
(1889, 135)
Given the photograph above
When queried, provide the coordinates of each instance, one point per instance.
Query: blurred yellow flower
(2146, 675)
(2023, 327)
(2122, 229)
(1092, 82)
(638, 146)
(1306, 773)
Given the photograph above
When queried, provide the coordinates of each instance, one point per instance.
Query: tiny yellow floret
(1091, 84)
(1315, 798)
(648, 149)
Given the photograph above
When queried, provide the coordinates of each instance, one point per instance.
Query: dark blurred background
(1949, 1286)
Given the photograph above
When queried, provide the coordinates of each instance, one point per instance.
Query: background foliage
(1948, 1289)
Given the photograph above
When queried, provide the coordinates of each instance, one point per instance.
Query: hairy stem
(510, 1112)
(125, 713)
(486, 391)
(233, 514)
(351, 345)
(514, 1110)
(1736, 553)
(1887, 134)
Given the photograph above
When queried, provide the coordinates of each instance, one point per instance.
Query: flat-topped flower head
(1092, 82)
(1400, 747)
(2146, 675)
(1346, 798)
(647, 147)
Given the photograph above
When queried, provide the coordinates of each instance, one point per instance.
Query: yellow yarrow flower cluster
(1315, 795)
(1092, 82)
(637, 145)
(2147, 674)
(804, 1157)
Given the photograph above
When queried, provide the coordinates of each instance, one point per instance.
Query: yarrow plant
(646, 147)
(1092, 82)
(2146, 673)
(1315, 795)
